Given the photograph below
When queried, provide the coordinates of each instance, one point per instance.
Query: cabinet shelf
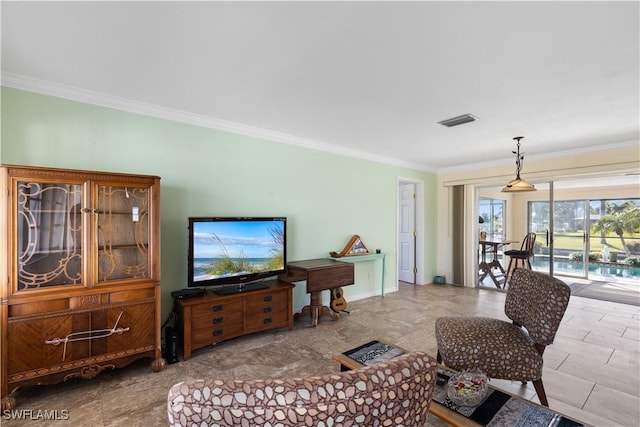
(140, 213)
(53, 211)
(116, 247)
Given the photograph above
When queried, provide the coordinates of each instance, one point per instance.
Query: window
(491, 212)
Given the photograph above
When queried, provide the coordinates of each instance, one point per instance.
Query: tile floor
(591, 371)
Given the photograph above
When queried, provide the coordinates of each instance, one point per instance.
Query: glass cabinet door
(123, 232)
(49, 234)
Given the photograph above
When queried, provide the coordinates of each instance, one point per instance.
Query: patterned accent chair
(396, 392)
(535, 303)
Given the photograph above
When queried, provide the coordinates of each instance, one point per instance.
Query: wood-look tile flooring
(591, 372)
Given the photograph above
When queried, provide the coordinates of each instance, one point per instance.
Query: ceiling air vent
(460, 120)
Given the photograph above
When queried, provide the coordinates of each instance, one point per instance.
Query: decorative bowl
(467, 388)
(439, 280)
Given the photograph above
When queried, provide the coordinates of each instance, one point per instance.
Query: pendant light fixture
(518, 184)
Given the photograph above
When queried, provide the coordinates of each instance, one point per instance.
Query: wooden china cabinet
(80, 274)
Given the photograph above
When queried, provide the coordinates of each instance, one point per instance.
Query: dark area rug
(607, 291)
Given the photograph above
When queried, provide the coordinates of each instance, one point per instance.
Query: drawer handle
(267, 320)
(218, 320)
(218, 332)
(267, 310)
(88, 335)
(267, 298)
(218, 307)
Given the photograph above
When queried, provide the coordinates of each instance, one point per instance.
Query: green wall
(326, 197)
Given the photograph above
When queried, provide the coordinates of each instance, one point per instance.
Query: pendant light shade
(518, 184)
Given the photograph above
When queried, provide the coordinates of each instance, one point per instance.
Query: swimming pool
(575, 268)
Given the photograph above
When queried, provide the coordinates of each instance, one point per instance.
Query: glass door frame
(553, 230)
(579, 225)
(547, 231)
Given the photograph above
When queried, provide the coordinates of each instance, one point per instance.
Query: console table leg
(328, 312)
(305, 310)
(316, 304)
(316, 310)
(312, 311)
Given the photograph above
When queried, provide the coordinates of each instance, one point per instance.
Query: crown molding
(43, 87)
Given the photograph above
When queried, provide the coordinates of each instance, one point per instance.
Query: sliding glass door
(562, 235)
(596, 236)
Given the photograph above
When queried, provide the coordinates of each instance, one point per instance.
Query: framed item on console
(355, 246)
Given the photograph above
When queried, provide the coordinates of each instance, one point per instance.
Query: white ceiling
(370, 79)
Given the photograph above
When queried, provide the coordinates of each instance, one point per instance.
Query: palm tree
(603, 209)
(619, 219)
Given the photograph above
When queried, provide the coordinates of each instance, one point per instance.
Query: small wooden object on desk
(212, 318)
(320, 274)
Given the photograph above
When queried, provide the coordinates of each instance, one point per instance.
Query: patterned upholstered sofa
(396, 392)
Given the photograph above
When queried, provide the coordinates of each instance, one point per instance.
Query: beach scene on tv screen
(236, 248)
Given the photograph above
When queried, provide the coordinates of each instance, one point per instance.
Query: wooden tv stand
(212, 318)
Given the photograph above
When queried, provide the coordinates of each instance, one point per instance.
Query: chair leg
(542, 396)
(509, 272)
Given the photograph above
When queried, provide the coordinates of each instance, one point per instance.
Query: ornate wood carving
(87, 300)
(89, 372)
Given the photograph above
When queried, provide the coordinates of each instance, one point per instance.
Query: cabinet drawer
(44, 341)
(27, 340)
(137, 322)
(202, 336)
(224, 319)
(272, 301)
(216, 308)
(216, 321)
(264, 321)
(267, 311)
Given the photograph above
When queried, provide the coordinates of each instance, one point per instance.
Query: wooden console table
(377, 258)
(320, 274)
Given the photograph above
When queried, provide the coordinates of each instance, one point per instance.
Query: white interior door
(407, 233)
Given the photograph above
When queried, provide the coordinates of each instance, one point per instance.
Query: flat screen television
(231, 254)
